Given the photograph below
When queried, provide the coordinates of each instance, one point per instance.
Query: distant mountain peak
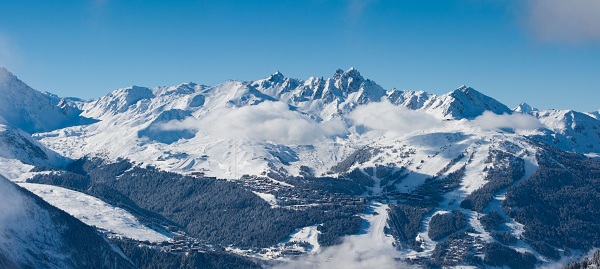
(351, 73)
(467, 90)
(30, 110)
(463, 88)
(350, 80)
(276, 77)
(466, 102)
(189, 84)
(524, 108)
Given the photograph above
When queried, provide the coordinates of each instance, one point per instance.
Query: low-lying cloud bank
(268, 121)
(370, 249)
(275, 122)
(385, 116)
(518, 122)
(353, 253)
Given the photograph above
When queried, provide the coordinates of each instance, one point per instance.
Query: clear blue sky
(546, 54)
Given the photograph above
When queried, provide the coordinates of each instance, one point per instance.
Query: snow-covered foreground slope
(36, 235)
(94, 212)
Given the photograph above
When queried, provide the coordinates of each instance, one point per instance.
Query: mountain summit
(30, 110)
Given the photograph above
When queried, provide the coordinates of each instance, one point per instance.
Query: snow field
(94, 212)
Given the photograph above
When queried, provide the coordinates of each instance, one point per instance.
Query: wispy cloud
(356, 8)
(385, 116)
(97, 11)
(519, 122)
(12, 206)
(9, 57)
(353, 253)
(563, 262)
(568, 22)
(99, 6)
(268, 121)
(368, 250)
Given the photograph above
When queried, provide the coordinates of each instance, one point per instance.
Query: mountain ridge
(31, 110)
(158, 120)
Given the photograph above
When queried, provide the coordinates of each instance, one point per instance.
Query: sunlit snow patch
(94, 212)
(269, 198)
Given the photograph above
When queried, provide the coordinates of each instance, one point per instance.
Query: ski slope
(94, 212)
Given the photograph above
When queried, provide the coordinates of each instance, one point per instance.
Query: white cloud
(521, 122)
(99, 6)
(565, 21)
(385, 116)
(353, 253)
(564, 261)
(8, 55)
(12, 206)
(357, 7)
(268, 121)
(370, 249)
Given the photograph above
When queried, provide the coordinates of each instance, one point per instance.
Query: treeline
(405, 219)
(442, 225)
(589, 262)
(498, 255)
(558, 204)
(327, 184)
(405, 223)
(389, 176)
(358, 157)
(507, 170)
(144, 257)
(216, 211)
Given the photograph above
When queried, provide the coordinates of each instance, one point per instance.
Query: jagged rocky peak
(524, 108)
(349, 80)
(276, 77)
(351, 72)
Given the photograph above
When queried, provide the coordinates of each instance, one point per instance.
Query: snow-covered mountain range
(228, 130)
(398, 144)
